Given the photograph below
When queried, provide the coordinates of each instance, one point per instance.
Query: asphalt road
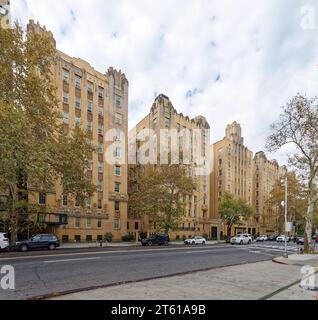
(44, 273)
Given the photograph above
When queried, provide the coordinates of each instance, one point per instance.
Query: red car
(316, 237)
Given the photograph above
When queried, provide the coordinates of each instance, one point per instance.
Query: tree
(233, 211)
(36, 153)
(160, 196)
(298, 126)
(297, 203)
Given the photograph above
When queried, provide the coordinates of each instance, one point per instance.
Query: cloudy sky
(227, 60)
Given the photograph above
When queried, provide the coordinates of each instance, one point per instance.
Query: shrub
(128, 238)
(108, 237)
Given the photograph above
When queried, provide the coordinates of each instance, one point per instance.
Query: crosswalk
(257, 248)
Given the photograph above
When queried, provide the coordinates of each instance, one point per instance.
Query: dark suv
(159, 240)
(38, 242)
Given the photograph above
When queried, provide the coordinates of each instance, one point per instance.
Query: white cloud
(259, 53)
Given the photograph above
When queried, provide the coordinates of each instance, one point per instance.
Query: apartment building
(266, 174)
(98, 102)
(232, 171)
(163, 116)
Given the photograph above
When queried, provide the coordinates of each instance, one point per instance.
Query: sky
(229, 60)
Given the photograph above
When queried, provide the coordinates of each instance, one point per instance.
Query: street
(44, 273)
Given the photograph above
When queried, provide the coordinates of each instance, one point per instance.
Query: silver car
(242, 239)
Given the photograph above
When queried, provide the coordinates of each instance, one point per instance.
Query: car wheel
(149, 243)
(52, 247)
(166, 243)
(24, 248)
(249, 241)
(241, 243)
(193, 243)
(203, 243)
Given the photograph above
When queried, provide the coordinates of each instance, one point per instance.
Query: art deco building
(266, 174)
(164, 116)
(97, 102)
(232, 171)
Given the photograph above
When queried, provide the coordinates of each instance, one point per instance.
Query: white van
(4, 241)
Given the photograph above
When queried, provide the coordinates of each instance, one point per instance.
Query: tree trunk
(229, 231)
(309, 223)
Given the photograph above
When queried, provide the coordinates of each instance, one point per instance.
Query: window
(78, 201)
(100, 130)
(77, 222)
(89, 238)
(167, 122)
(90, 87)
(90, 126)
(117, 187)
(118, 135)
(117, 205)
(100, 186)
(77, 238)
(78, 82)
(88, 222)
(42, 198)
(100, 148)
(118, 118)
(65, 201)
(101, 112)
(89, 202)
(99, 204)
(90, 106)
(117, 171)
(77, 121)
(66, 117)
(99, 223)
(118, 102)
(66, 75)
(65, 239)
(78, 102)
(65, 97)
(101, 92)
(100, 167)
(136, 225)
(118, 152)
(116, 224)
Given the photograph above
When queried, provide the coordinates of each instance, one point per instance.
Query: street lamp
(286, 222)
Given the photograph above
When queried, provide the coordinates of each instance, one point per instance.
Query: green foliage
(160, 196)
(128, 238)
(108, 237)
(234, 211)
(35, 152)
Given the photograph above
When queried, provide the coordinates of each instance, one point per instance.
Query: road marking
(104, 253)
(71, 260)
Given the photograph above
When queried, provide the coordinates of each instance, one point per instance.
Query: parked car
(300, 240)
(38, 242)
(282, 238)
(158, 240)
(242, 239)
(261, 239)
(4, 241)
(271, 238)
(195, 241)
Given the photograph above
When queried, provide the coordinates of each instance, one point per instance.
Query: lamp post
(286, 206)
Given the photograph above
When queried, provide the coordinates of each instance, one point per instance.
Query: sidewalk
(255, 281)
